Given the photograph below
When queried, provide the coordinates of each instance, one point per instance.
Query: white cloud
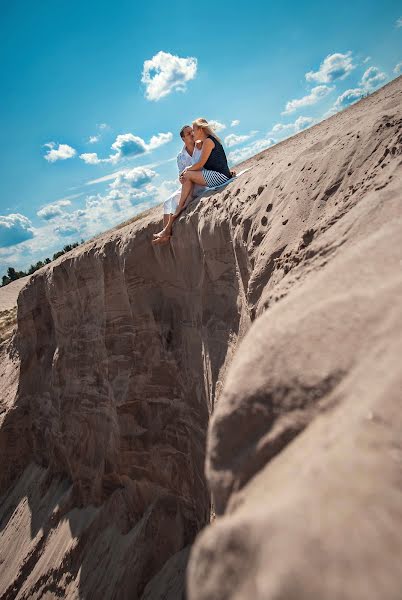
(316, 94)
(63, 152)
(99, 213)
(91, 158)
(133, 178)
(235, 122)
(93, 139)
(366, 60)
(399, 22)
(331, 111)
(398, 69)
(372, 78)
(334, 66)
(50, 211)
(165, 73)
(237, 156)
(67, 230)
(234, 140)
(300, 124)
(349, 97)
(158, 140)
(216, 125)
(128, 145)
(166, 188)
(14, 229)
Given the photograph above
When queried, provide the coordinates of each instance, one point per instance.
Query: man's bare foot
(159, 241)
(162, 233)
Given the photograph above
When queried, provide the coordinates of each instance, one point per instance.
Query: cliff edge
(277, 310)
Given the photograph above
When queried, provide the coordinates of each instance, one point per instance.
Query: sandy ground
(276, 307)
(9, 293)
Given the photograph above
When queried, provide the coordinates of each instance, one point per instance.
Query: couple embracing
(202, 164)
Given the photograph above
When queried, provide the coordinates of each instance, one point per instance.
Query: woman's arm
(207, 148)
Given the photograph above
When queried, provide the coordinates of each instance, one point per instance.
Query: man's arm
(180, 163)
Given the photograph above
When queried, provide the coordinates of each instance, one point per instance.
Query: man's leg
(166, 219)
(190, 178)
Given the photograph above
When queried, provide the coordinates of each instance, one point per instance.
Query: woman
(211, 169)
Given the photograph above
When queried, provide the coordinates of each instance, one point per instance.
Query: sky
(93, 95)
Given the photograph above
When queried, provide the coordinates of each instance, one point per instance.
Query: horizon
(98, 139)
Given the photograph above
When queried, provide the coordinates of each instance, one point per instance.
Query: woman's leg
(190, 179)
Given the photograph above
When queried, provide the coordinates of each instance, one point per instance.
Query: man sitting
(189, 155)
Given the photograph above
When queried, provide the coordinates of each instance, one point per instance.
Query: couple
(202, 164)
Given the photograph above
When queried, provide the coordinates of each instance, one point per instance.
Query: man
(188, 156)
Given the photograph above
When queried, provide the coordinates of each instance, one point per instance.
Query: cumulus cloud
(14, 229)
(50, 211)
(349, 97)
(241, 154)
(372, 78)
(91, 158)
(130, 191)
(63, 152)
(165, 73)
(128, 145)
(316, 94)
(66, 230)
(93, 139)
(217, 125)
(399, 22)
(99, 213)
(398, 69)
(334, 66)
(234, 140)
(133, 178)
(235, 122)
(298, 125)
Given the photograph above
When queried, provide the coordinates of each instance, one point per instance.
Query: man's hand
(181, 176)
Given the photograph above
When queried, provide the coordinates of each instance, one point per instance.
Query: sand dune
(277, 310)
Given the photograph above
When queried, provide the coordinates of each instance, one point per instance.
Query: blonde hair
(203, 123)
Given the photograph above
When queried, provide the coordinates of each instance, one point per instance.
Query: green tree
(11, 273)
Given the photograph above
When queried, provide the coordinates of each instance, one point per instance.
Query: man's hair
(182, 130)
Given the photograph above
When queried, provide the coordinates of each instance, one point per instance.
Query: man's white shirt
(184, 159)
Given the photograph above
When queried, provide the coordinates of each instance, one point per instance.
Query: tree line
(12, 274)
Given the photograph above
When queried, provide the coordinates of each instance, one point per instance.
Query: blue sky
(97, 90)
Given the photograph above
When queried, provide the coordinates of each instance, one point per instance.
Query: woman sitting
(211, 169)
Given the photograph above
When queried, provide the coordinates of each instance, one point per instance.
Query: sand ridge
(273, 310)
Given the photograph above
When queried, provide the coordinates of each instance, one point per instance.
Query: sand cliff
(276, 309)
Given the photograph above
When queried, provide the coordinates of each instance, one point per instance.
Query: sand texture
(257, 357)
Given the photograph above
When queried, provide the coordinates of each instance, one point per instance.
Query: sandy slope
(276, 306)
(9, 293)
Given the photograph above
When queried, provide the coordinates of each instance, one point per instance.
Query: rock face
(123, 351)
